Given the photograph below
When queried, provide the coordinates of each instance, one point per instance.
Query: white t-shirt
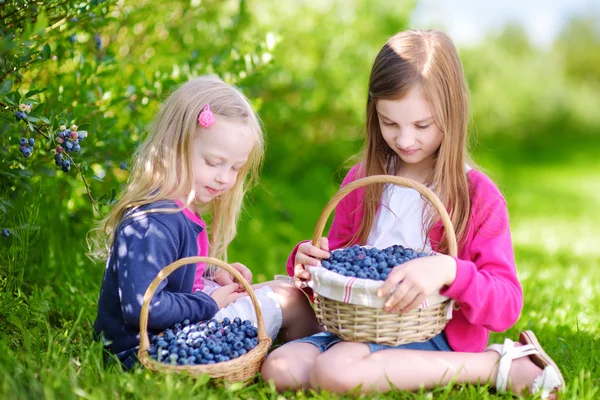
(399, 220)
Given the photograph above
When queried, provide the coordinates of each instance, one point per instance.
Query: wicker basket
(366, 324)
(241, 369)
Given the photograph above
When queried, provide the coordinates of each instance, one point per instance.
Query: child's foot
(526, 368)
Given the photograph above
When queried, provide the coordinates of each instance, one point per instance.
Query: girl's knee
(289, 367)
(328, 374)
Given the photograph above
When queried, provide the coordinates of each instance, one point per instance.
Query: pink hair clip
(206, 118)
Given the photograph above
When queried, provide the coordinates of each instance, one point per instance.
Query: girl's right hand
(225, 295)
(306, 256)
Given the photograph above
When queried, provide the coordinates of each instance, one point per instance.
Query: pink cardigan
(486, 286)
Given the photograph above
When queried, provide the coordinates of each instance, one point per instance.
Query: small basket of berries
(346, 284)
(229, 350)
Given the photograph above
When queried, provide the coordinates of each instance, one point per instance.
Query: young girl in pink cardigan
(416, 124)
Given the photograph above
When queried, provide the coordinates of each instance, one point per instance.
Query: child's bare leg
(289, 366)
(299, 318)
(411, 369)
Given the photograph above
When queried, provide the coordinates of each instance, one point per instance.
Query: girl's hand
(226, 295)
(224, 278)
(409, 284)
(306, 256)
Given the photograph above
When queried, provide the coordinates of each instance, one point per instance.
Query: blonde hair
(162, 166)
(427, 58)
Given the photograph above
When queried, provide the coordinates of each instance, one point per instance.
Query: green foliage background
(305, 65)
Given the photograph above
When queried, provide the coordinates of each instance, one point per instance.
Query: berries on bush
(20, 115)
(69, 140)
(207, 342)
(66, 165)
(369, 263)
(26, 146)
(5, 232)
(98, 41)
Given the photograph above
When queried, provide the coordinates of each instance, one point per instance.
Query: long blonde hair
(162, 166)
(427, 58)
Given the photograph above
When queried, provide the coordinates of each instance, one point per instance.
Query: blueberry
(31, 141)
(5, 232)
(23, 141)
(98, 41)
(20, 115)
(66, 165)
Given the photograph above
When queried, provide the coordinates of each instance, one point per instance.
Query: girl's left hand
(407, 285)
(224, 278)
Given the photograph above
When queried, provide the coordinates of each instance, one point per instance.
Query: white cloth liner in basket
(358, 291)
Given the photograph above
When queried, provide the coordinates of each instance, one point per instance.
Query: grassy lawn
(555, 228)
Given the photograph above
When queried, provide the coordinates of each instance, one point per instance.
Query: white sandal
(550, 380)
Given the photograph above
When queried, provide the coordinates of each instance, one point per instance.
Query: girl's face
(218, 153)
(407, 127)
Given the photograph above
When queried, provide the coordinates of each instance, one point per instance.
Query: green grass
(47, 350)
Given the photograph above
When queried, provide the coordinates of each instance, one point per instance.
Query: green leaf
(7, 116)
(34, 91)
(13, 319)
(6, 86)
(46, 52)
(31, 128)
(41, 23)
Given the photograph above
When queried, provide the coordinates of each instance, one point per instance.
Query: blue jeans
(324, 340)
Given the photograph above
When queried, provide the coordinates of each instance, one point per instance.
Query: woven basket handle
(145, 342)
(396, 180)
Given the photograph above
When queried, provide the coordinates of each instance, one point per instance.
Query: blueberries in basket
(369, 263)
(206, 342)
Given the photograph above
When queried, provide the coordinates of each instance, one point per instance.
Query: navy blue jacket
(143, 246)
